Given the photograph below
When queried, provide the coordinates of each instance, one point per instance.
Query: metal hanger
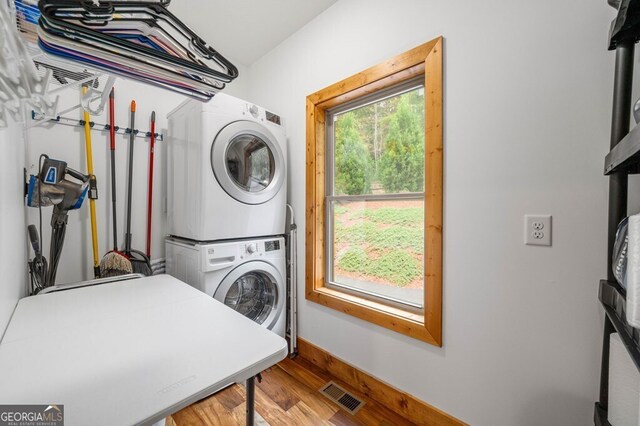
(136, 39)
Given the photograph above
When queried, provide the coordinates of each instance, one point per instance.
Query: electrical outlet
(537, 230)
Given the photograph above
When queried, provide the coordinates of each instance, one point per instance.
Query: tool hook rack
(39, 119)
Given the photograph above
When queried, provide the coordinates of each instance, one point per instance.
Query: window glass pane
(378, 247)
(379, 147)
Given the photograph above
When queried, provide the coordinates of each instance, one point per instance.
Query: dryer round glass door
(248, 162)
(252, 289)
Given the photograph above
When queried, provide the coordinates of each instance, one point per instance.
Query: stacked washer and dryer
(227, 205)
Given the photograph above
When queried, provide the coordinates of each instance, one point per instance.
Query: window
(374, 194)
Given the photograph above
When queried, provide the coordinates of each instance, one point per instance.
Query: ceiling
(245, 30)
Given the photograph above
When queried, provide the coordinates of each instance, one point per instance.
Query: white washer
(226, 170)
(249, 276)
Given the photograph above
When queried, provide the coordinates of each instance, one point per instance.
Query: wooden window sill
(404, 322)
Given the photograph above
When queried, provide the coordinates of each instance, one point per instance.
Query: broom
(114, 263)
(139, 261)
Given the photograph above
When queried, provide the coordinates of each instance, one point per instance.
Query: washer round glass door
(252, 289)
(248, 162)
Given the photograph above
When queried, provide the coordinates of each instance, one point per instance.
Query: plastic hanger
(124, 66)
(136, 39)
(209, 64)
(86, 22)
(134, 73)
(115, 64)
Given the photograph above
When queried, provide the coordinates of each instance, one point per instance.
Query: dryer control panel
(261, 114)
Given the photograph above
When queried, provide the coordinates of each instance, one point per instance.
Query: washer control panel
(261, 248)
(253, 109)
(272, 245)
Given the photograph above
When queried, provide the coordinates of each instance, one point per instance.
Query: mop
(114, 263)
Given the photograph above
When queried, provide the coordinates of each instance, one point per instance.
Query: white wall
(12, 222)
(68, 144)
(527, 112)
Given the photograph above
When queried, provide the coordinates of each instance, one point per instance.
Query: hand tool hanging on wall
(52, 188)
(152, 143)
(93, 190)
(139, 261)
(114, 263)
(38, 267)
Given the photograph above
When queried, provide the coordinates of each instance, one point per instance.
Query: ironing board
(130, 352)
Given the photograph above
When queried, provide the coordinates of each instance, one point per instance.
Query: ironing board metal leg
(250, 410)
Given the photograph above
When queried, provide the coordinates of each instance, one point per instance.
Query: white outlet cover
(537, 229)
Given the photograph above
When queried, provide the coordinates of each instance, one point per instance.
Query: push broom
(114, 263)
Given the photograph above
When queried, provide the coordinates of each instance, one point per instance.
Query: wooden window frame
(426, 60)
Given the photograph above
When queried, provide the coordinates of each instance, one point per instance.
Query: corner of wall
(13, 253)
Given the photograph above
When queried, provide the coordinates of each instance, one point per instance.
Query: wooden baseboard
(407, 406)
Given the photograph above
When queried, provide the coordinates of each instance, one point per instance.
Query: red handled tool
(150, 195)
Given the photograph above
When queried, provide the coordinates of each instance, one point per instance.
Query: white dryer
(249, 276)
(226, 170)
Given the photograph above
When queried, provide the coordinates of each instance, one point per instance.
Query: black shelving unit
(600, 416)
(622, 160)
(612, 298)
(625, 157)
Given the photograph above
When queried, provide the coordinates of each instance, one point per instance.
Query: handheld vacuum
(52, 187)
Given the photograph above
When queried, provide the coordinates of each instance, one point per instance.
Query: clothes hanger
(137, 39)
(191, 59)
(134, 73)
(92, 55)
(67, 15)
(54, 36)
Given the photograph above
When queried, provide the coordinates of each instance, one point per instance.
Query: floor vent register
(341, 397)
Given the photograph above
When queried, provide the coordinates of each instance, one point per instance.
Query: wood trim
(403, 322)
(433, 193)
(425, 59)
(375, 86)
(402, 403)
(389, 67)
(311, 208)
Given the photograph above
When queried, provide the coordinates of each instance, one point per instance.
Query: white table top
(128, 352)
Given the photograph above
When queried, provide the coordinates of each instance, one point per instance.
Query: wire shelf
(58, 75)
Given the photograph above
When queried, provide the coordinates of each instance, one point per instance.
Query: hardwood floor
(288, 395)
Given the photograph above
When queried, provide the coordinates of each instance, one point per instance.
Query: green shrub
(396, 215)
(355, 234)
(352, 159)
(398, 266)
(354, 259)
(398, 237)
(401, 165)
